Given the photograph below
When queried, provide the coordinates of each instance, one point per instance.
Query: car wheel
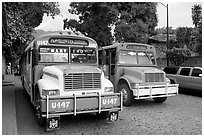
(160, 100)
(127, 94)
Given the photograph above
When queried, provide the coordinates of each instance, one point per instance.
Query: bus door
(30, 73)
(112, 65)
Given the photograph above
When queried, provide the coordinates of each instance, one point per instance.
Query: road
(180, 115)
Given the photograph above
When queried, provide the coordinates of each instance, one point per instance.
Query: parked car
(186, 77)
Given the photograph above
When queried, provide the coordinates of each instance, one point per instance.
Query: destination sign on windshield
(137, 47)
(68, 41)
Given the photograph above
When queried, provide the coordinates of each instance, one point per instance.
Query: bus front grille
(154, 77)
(80, 81)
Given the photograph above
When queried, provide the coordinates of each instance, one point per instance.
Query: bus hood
(144, 69)
(66, 69)
(140, 73)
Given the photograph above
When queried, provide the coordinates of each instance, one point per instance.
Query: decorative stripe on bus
(51, 75)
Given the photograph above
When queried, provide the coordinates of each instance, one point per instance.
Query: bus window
(127, 57)
(146, 58)
(83, 55)
(54, 54)
(28, 57)
(136, 58)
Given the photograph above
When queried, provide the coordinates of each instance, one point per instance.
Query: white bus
(60, 73)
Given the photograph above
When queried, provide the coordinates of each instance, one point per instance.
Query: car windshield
(136, 57)
(61, 55)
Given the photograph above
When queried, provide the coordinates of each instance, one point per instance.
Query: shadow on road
(196, 93)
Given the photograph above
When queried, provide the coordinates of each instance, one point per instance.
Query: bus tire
(127, 94)
(103, 115)
(41, 120)
(160, 100)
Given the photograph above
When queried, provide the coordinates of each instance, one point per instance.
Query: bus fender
(46, 84)
(129, 80)
(107, 82)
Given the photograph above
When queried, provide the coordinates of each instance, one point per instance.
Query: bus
(60, 73)
(132, 68)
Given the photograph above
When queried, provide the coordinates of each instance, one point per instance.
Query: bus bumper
(155, 91)
(52, 108)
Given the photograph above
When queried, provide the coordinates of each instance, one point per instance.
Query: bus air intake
(154, 77)
(80, 81)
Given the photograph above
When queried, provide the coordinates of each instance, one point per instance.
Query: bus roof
(125, 43)
(59, 33)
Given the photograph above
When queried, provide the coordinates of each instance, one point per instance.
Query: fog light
(134, 85)
(109, 89)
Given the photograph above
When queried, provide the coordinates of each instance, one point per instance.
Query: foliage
(19, 20)
(183, 36)
(136, 21)
(95, 20)
(133, 21)
(178, 55)
(163, 30)
(197, 21)
(197, 15)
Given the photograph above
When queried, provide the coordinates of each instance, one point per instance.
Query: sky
(179, 16)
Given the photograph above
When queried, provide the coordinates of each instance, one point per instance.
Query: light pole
(167, 32)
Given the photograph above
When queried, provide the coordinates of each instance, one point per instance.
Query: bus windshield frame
(137, 58)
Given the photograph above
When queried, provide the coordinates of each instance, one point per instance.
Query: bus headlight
(51, 92)
(168, 81)
(109, 89)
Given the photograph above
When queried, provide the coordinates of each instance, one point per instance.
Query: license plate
(61, 105)
(110, 101)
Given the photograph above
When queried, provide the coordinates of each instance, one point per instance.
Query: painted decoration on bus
(83, 55)
(68, 41)
(53, 54)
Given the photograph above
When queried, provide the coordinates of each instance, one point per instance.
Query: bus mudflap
(52, 123)
(113, 116)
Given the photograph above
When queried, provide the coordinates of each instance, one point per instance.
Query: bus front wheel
(127, 94)
(41, 120)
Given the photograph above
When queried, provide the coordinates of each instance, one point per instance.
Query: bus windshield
(83, 55)
(136, 57)
(67, 55)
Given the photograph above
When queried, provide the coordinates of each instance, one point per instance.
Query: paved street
(9, 125)
(180, 115)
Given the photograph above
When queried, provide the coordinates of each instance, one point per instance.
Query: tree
(95, 20)
(197, 21)
(136, 21)
(197, 15)
(183, 36)
(19, 19)
(178, 55)
(133, 21)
